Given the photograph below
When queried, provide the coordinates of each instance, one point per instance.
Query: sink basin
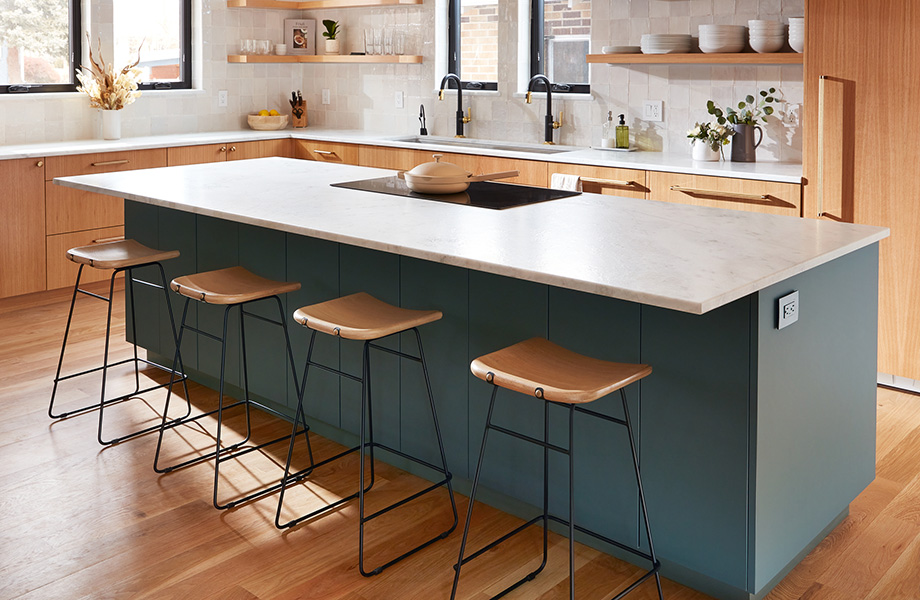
(486, 144)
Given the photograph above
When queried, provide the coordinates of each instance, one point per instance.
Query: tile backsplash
(362, 95)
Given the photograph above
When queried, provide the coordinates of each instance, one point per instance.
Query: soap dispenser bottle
(607, 136)
(623, 133)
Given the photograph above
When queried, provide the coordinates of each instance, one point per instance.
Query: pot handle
(760, 139)
(489, 176)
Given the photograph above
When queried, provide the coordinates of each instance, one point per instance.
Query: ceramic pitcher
(743, 145)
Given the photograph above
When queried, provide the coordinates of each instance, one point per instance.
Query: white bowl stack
(797, 33)
(722, 38)
(666, 43)
(767, 36)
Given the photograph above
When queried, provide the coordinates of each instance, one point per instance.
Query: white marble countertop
(672, 256)
(649, 161)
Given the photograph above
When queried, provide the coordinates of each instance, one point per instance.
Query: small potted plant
(708, 139)
(745, 121)
(332, 30)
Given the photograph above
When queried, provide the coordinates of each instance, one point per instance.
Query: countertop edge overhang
(673, 256)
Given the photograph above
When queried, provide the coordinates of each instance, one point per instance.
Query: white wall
(362, 96)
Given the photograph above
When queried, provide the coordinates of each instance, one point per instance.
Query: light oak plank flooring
(81, 521)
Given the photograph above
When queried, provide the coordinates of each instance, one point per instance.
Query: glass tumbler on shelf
(378, 41)
(265, 46)
(246, 47)
(388, 41)
(399, 42)
(369, 41)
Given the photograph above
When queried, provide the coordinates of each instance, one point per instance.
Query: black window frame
(537, 66)
(76, 56)
(453, 51)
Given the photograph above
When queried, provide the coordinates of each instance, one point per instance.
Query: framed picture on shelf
(300, 36)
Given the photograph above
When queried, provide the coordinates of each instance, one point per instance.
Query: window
(473, 43)
(559, 41)
(39, 45)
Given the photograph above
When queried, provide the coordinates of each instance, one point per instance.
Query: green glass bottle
(623, 133)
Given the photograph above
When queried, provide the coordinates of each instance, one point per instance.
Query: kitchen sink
(485, 144)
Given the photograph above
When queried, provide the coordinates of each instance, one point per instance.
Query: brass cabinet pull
(223, 148)
(109, 163)
(718, 193)
(232, 148)
(329, 152)
(40, 163)
(617, 182)
(109, 239)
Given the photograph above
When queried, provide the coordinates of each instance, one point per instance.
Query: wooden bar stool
(120, 255)
(364, 318)
(557, 376)
(232, 287)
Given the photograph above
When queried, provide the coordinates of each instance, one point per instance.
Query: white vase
(332, 46)
(701, 151)
(111, 124)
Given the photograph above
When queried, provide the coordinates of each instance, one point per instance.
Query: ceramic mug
(280, 49)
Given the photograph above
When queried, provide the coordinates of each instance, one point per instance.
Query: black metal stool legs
(136, 360)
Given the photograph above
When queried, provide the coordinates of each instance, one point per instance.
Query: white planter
(111, 124)
(332, 46)
(701, 151)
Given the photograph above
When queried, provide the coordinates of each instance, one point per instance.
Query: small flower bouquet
(714, 135)
(105, 89)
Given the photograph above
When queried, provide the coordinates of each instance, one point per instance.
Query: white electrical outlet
(399, 99)
(652, 110)
(326, 97)
(787, 310)
(222, 97)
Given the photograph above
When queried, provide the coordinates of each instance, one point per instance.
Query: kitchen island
(753, 440)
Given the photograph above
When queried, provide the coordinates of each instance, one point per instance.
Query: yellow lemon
(274, 113)
(263, 113)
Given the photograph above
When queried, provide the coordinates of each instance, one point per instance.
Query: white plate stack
(797, 33)
(722, 38)
(767, 36)
(666, 43)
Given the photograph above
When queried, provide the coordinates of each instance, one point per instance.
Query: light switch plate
(787, 310)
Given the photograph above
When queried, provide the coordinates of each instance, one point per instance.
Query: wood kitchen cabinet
(726, 192)
(331, 152)
(605, 180)
(861, 155)
(400, 159)
(205, 153)
(22, 229)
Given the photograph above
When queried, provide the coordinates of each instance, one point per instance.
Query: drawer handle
(223, 148)
(116, 238)
(232, 148)
(329, 152)
(109, 163)
(718, 193)
(616, 182)
(40, 163)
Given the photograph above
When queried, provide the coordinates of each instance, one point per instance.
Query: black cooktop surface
(484, 194)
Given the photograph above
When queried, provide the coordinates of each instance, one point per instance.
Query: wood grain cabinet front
(331, 152)
(725, 192)
(22, 229)
(205, 153)
(63, 272)
(611, 181)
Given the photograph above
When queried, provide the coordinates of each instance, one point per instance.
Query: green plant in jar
(749, 111)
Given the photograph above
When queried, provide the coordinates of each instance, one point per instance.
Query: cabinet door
(605, 180)
(103, 162)
(22, 228)
(63, 272)
(259, 149)
(333, 152)
(193, 155)
(69, 209)
(532, 172)
(725, 192)
(382, 157)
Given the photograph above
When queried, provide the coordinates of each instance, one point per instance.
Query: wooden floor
(80, 521)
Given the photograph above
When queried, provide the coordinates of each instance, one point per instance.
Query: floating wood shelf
(317, 4)
(740, 58)
(403, 59)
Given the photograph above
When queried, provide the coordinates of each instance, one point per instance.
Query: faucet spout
(549, 123)
(445, 82)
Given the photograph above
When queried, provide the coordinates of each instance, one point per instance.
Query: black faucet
(549, 122)
(460, 118)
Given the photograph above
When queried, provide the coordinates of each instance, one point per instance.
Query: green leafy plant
(332, 29)
(713, 135)
(749, 111)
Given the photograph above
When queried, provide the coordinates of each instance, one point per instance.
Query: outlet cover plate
(326, 98)
(652, 110)
(222, 97)
(399, 100)
(787, 310)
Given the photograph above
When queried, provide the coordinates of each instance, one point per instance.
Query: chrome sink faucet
(549, 122)
(460, 118)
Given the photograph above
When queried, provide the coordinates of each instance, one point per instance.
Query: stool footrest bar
(527, 438)
(406, 500)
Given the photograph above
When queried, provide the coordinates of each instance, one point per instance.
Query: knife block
(301, 121)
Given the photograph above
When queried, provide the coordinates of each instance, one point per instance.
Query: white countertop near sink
(649, 161)
(674, 256)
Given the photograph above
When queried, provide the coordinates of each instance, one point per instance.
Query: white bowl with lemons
(267, 120)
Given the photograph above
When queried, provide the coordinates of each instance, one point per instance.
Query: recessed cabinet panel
(22, 229)
(103, 162)
(724, 192)
(69, 209)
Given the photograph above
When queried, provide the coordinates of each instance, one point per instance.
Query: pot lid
(438, 169)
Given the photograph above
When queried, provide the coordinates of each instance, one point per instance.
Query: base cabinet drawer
(611, 181)
(725, 192)
(332, 152)
(68, 210)
(63, 272)
(103, 162)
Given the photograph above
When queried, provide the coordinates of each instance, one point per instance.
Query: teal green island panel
(752, 440)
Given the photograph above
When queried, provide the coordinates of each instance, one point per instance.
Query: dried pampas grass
(105, 89)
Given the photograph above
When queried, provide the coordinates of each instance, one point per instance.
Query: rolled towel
(563, 181)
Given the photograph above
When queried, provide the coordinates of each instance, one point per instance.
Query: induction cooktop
(484, 194)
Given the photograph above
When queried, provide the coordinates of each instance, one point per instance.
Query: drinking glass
(369, 42)
(388, 41)
(246, 47)
(399, 42)
(265, 46)
(378, 41)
